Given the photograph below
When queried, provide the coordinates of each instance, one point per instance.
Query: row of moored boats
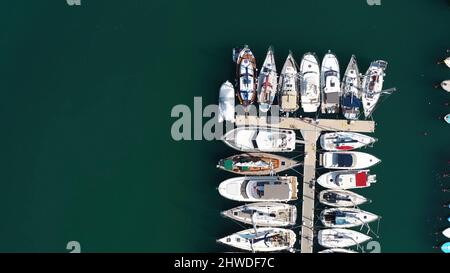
(266, 195)
(446, 86)
(313, 86)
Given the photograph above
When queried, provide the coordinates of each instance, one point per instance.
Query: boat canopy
(351, 101)
(343, 160)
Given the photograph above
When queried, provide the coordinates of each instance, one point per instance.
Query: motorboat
(447, 62)
(337, 250)
(341, 198)
(264, 214)
(226, 102)
(246, 77)
(341, 238)
(351, 103)
(256, 164)
(372, 86)
(346, 217)
(259, 139)
(344, 180)
(345, 141)
(310, 83)
(261, 239)
(330, 84)
(446, 233)
(447, 118)
(348, 160)
(267, 82)
(446, 85)
(288, 86)
(260, 188)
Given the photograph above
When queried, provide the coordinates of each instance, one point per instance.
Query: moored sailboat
(345, 141)
(256, 164)
(341, 238)
(288, 86)
(372, 86)
(246, 77)
(351, 91)
(341, 198)
(267, 82)
(346, 217)
(261, 239)
(265, 214)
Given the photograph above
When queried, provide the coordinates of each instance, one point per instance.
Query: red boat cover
(345, 148)
(361, 179)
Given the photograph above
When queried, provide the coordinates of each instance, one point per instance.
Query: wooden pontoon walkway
(311, 130)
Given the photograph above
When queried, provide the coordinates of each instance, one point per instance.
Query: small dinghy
(246, 77)
(345, 141)
(331, 84)
(372, 86)
(267, 82)
(288, 97)
(344, 180)
(258, 139)
(264, 214)
(256, 164)
(446, 247)
(446, 85)
(447, 118)
(226, 102)
(310, 83)
(341, 238)
(341, 198)
(346, 217)
(446, 233)
(351, 91)
(261, 239)
(348, 160)
(337, 250)
(260, 188)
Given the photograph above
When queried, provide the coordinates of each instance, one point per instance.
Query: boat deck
(310, 130)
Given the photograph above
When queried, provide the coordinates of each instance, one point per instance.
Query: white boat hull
(337, 250)
(348, 160)
(266, 240)
(346, 217)
(226, 102)
(446, 233)
(344, 180)
(446, 85)
(288, 85)
(447, 62)
(260, 188)
(330, 84)
(341, 238)
(372, 85)
(264, 214)
(351, 91)
(345, 141)
(267, 82)
(310, 83)
(258, 139)
(341, 198)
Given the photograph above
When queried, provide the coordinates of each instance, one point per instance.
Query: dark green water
(86, 94)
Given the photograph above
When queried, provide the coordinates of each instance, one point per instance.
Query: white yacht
(288, 86)
(372, 86)
(310, 83)
(346, 217)
(226, 102)
(341, 238)
(341, 198)
(447, 62)
(260, 188)
(330, 84)
(259, 139)
(351, 91)
(344, 180)
(348, 160)
(264, 214)
(261, 239)
(446, 233)
(267, 82)
(345, 141)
